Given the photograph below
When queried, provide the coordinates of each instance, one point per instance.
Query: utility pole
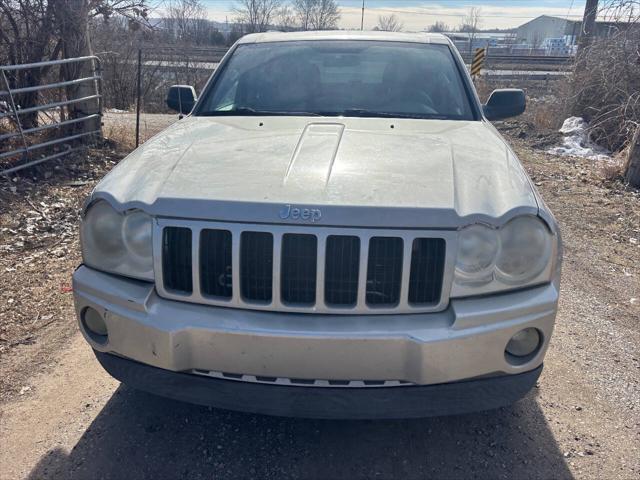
(362, 18)
(588, 24)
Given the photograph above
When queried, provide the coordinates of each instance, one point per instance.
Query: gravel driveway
(63, 417)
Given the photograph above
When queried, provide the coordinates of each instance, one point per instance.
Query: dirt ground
(61, 416)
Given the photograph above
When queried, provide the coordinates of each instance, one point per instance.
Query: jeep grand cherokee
(334, 230)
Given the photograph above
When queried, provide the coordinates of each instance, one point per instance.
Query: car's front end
(321, 267)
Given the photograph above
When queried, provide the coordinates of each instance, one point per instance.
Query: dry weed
(612, 170)
(605, 87)
(545, 114)
(120, 134)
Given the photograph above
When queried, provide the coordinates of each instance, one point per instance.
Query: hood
(346, 171)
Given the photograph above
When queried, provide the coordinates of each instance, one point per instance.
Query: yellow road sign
(478, 61)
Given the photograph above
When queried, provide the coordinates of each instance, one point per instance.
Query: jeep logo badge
(296, 213)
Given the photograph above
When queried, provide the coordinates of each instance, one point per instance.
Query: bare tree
(471, 24)
(187, 21)
(286, 18)
(35, 30)
(303, 10)
(316, 14)
(256, 15)
(390, 23)
(439, 26)
(472, 20)
(325, 15)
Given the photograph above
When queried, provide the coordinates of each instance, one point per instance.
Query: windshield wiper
(248, 111)
(361, 112)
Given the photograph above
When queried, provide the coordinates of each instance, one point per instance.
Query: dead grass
(545, 113)
(612, 171)
(121, 135)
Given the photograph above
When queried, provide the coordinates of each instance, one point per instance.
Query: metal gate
(23, 154)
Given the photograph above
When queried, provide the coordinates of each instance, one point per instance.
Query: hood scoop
(313, 158)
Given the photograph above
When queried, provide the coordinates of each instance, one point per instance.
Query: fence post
(138, 94)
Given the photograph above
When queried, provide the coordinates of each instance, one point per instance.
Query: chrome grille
(303, 268)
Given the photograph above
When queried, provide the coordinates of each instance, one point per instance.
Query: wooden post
(632, 174)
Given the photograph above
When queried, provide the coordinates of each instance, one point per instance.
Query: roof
(570, 20)
(344, 35)
(552, 17)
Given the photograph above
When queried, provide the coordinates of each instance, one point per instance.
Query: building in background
(536, 31)
(551, 31)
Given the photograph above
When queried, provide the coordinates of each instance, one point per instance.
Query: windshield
(346, 78)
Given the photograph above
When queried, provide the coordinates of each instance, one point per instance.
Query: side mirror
(504, 103)
(181, 98)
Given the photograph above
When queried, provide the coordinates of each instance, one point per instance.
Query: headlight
(490, 260)
(525, 250)
(117, 243)
(477, 250)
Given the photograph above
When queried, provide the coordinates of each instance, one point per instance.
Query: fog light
(524, 343)
(94, 325)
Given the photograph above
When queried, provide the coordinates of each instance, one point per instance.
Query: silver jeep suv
(335, 230)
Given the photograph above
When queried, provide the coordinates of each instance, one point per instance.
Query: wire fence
(136, 82)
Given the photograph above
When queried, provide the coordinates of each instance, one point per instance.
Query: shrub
(604, 87)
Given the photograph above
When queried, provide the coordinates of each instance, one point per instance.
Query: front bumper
(463, 342)
(331, 403)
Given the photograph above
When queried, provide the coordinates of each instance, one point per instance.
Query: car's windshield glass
(333, 78)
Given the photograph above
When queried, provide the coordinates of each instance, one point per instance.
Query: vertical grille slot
(298, 268)
(427, 269)
(176, 259)
(384, 271)
(342, 263)
(215, 263)
(256, 266)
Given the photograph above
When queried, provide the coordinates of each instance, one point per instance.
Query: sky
(416, 15)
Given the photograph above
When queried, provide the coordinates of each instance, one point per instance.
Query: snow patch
(577, 143)
(116, 110)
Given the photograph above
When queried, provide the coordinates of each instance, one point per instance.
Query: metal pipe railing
(50, 125)
(45, 144)
(50, 106)
(48, 86)
(16, 112)
(48, 63)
